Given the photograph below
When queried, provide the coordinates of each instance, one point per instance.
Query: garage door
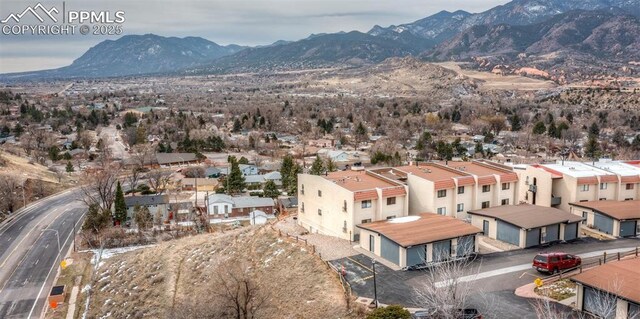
(598, 303)
(416, 255)
(628, 228)
(508, 233)
(389, 250)
(603, 223)
(441, 250)
(571, 231)
(533, 237)
(553, 233)
(634, 310)
(466, 246)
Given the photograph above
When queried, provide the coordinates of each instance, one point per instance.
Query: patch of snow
(406, 219)
(86, 288)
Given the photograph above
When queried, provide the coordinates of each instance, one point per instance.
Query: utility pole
(375, 290)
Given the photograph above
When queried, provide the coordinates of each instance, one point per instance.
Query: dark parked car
(467, 313)
(554, 262)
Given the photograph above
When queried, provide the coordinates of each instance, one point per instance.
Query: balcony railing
(556, 200)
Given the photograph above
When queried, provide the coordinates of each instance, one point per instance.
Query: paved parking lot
(497, 277)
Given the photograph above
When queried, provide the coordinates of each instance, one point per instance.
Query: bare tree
(239, 293)
(447, 285)
(10, 186)
(158, 180)
(100, 188)
(601, 302)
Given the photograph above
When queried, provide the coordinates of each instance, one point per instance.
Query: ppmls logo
(82, 21)
(34, 12)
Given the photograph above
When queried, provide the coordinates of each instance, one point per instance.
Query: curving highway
(32, 244)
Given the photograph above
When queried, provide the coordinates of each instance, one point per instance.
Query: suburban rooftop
(432, 172)
(576, 169)
(620, 168)
(527, 216)
(358, 180)
(627, 209)
(422, 229)
(625, 275)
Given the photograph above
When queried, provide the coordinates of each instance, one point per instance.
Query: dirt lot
(500, 82)
(181, 278)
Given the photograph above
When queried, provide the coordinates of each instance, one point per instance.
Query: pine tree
(293, 180)
(235, 180)
(330, 165)
(271, 189)
(592, 149)
(516, 123)
(120, 206)
(317, 168)
(285, 170)
(539, 128)
(69, 167)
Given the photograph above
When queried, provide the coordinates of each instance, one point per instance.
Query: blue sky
(256, 22)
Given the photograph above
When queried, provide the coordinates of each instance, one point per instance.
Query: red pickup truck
(554, 262)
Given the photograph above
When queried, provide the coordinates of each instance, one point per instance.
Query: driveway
(494, 278)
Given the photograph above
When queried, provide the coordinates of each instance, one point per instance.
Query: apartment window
(583, 200)
(391, 201)
(629, 199)
(368, 220)
(319, 211)
(629, 186)
(302, 207)
(319, 193)
(460, 189)
(602, 198)
(486, 188)
(366, 203)
(215, 210)
(460, 207)
(584, 218)
(344, 206)
(391, 217)
(442, 210)
(485, 204)
(506, 186)
(584, 188)
(603, 185)
(442, 193)
(301, 189)
(344, 227)
(226, 209)
(504, 202)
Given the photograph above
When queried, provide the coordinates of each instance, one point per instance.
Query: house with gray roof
(158, 206)
(221, 205)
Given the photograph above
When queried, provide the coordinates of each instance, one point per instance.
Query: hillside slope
(186, 278)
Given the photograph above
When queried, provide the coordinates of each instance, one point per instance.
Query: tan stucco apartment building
(333, 204)
(560, 184)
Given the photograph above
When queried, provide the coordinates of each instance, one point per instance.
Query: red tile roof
(630, 179)
(608, 178)
(590, 180)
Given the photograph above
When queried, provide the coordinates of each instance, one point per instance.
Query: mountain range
(597, 33)
(607, 29)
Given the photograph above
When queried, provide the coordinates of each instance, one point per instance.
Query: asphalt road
(30, 252)
(493, 278)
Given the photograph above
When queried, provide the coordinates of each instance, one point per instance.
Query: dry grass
(150, 283)
(21, 167)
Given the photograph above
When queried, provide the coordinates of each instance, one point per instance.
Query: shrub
(390, 312)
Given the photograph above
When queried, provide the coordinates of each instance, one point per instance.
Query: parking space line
(360, 264)
(363, 279)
